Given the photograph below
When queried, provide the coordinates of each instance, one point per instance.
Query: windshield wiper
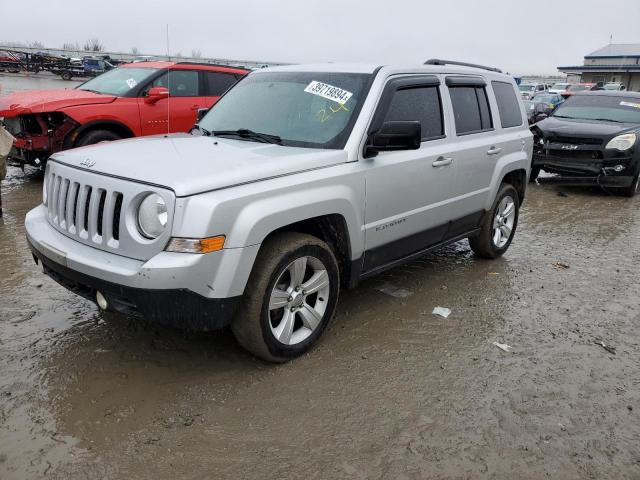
(92, 91)
(607, 120)
(563, 116)
(246, 133)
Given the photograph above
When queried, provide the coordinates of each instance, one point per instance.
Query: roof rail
(207, 64)
(437, 61)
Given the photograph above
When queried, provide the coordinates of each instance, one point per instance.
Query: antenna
(168, 86)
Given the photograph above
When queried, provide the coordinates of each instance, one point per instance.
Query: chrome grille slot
(93, 209)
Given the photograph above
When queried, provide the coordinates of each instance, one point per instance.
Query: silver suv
(299, 180)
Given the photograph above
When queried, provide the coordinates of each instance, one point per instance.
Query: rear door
(178, 112)
(408, 192)
(477, 151)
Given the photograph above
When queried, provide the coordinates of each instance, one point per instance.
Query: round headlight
(152, 216)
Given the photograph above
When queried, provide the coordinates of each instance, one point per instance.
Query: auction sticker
(131, 82)
(329, 92)
(629, 104)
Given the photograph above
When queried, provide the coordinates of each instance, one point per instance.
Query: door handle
(442, 162)
(494, 151)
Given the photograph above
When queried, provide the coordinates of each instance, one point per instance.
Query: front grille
(577, 154)
(98, 209)
(575, 140)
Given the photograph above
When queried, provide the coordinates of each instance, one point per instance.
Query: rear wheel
(97, 136)
(499, 226)
(290, 297)
(66, 75)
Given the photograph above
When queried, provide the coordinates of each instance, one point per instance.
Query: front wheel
(97, 136)
(499, 226)
(289, 299)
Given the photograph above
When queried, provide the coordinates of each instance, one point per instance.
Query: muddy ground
(391, 391)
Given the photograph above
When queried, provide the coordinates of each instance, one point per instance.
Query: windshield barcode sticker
(131, 82)
(329, 92)
(629, 104)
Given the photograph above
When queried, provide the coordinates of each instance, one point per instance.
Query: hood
(190, 164)
(39, 101)
(565, 127)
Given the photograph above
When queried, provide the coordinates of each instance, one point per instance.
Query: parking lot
(391, 391)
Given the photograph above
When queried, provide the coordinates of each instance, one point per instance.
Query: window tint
(218, 83)
(470, 109)
(421, 104)
(508, 106)
(181, 83)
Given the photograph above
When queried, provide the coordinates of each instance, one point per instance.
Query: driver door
(409, 192)
(178, 112)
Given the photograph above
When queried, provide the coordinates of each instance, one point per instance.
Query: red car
(144, 98)
(578, 87)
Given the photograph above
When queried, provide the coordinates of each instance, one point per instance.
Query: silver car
(301, 180)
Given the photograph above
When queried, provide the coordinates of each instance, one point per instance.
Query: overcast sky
(517, 36)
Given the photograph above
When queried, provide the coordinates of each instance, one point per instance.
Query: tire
(66, 75)
(632, 189)
(485, 245)
(96, 136)
(535, 171)
(263, 331)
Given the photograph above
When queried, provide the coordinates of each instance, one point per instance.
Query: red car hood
(39, 101)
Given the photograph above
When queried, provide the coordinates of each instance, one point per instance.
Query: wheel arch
(111, 125)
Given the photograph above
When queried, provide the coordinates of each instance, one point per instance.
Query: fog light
(102, 302)
(618, 168)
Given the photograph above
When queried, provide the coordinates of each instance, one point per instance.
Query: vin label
(329, 92)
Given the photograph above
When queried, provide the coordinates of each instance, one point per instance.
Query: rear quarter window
(508, 105)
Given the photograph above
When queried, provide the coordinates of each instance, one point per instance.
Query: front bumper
(197, 292)
(585, 172)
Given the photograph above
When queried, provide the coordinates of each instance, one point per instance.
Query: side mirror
(201, 113)
(400, 135)
(156, 94)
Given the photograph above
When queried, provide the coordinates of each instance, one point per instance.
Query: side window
(470, 109)
(508, 105)
(218, 82)
(181, 83)
(419, 103)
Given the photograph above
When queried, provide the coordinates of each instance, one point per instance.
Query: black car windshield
(601, 107)
(315, 110)
(118, 82)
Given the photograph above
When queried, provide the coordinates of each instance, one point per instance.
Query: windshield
(600, 107)
(119, 81)
(559, 86)
(578, 88)
(612, 86)
(545, 98)
(302, 109)
(527, 88)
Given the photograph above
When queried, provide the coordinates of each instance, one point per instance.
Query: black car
(591, 139)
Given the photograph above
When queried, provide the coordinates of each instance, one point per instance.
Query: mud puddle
(391, 391)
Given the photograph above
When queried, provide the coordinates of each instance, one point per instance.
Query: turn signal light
(196, 245)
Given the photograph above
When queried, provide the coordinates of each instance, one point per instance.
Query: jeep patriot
(300, 180)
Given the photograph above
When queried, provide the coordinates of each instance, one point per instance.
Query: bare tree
(36, 44)
(93, 45)
(196, 53)
(135, 51)
(178, 54)
(75, 46)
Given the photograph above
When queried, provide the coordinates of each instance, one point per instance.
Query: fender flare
(72, 137)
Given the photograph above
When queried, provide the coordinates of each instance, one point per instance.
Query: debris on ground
(563, 194)
(503, 346)
(609, 348)
(443, 312)
(394, 291)
(560, 265)
(493, 273)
